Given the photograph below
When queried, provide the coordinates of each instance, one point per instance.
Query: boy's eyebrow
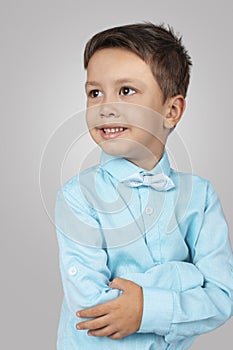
(118, 81)
(129, 80)
(94, 83)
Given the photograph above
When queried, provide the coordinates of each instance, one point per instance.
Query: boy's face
(125, 106)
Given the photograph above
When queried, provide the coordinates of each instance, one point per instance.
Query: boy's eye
(127, 91)
(95, 93)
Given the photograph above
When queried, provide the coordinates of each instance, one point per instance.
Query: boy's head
(132, 71)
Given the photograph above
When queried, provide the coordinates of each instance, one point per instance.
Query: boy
(145, 257)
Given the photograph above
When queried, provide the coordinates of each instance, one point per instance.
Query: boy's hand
(116, 318)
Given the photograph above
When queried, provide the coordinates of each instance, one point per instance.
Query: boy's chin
(116, 152)
(125, 149)
(118, 149)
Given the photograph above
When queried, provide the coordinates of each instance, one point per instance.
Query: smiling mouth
(109, 131)
(112, 132)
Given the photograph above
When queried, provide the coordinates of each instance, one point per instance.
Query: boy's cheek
(146, 120)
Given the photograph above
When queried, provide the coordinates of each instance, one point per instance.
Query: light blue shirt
(173, 243)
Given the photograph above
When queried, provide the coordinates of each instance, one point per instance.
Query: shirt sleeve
(84, 271)
(158, 284)
(180, 314)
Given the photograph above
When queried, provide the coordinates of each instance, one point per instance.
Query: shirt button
(72, 271)
(149, 210)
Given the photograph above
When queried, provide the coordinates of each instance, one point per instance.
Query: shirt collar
(120, 168)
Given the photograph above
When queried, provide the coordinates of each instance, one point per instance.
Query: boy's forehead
(120, 64)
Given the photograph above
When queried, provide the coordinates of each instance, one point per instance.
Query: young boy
(145, 256)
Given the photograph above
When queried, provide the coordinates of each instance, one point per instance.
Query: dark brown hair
(156, 45)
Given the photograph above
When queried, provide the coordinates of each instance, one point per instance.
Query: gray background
(42, 82)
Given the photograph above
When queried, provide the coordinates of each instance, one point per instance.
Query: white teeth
(113, 130)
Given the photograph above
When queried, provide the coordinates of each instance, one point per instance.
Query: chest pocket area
(172, 244)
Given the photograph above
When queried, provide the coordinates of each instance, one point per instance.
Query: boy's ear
(176, 107)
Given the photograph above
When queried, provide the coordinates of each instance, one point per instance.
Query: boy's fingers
(105, 308)
(95, 324)
(96, 311)
(120, 283)
(103, 332)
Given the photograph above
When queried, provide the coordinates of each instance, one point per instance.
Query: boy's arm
(84, 271)
(123, 316)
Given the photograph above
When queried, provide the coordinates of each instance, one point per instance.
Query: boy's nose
(109, 110)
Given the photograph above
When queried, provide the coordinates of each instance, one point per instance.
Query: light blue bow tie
(160, 182)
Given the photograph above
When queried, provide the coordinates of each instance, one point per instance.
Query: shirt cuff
(157, 311)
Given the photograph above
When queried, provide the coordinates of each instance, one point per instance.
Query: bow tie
(160, 182)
